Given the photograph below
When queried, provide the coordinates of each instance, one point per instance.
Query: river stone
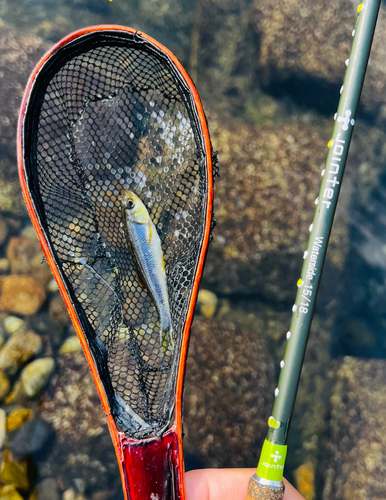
(83, 447)
(12, 324)
(14, 471)
(3, 230)
(356, 463)
(18, 350)
(21, 294)
(18, 417)
(11, 198)
(72, 344)
(3, 428)
(58, 310)
(4, 265)
(36, 375)
(309, 41)
(31, 438)
(19, 52)
(48, 490)
(9, 492)
(264, 204)
(25, 256)
(4, 385)
(228, 394)
(207, 303)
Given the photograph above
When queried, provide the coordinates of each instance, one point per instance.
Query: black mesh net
(110, 113)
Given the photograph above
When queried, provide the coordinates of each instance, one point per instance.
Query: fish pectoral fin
(140, 280)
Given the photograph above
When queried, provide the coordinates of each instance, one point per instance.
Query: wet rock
(3, 428)
(355, 467)
(83, 446)
(14, 471)
(264, 204)
(17, 395)
(48, 490)
(25, 256)
(19, 52)
(29, 232)
(45, 326)
(36, 375)
(4, 265)
(52, 286)
(21, 294)
(72, 344)
(58, 311)
(3, 230)
(207, 303)
(18, 417)
(302, 40)
(9, 493)
(11, 198)
(305, 480)
(31, 438)
(4, 385)
(228, 394)
(18, 350)
(12, 324)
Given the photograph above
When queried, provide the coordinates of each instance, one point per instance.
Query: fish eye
(130, 205)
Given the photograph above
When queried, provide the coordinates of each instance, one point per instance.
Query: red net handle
(152, 469)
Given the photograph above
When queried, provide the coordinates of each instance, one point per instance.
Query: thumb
(225, 484)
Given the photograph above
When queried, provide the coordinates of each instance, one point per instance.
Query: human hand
(226, 484)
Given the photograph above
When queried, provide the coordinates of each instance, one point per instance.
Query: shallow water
(270, 99)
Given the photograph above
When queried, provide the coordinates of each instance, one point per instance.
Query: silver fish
(145, 248)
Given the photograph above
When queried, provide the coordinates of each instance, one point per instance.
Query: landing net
(110, 113)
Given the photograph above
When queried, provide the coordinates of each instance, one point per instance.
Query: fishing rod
(267, 483)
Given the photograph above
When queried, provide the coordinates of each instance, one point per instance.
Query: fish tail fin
(166, 336)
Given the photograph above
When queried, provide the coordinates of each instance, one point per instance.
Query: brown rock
(25, 256)
(83, 445)
(58, 311)
(355, 467)
(311, 40)
(19, 52)
(21, 294)
(3, 230)
(11, 198)
(18, 350)
(228, 394)
(264, 204)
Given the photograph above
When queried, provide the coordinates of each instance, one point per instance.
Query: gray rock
(19, 52)
(48, 490)
(31, 438)
(355, 467)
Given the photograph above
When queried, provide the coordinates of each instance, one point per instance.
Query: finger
(225, 484)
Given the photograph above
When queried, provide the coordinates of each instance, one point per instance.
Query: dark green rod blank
(320, 228)
(267, 483)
